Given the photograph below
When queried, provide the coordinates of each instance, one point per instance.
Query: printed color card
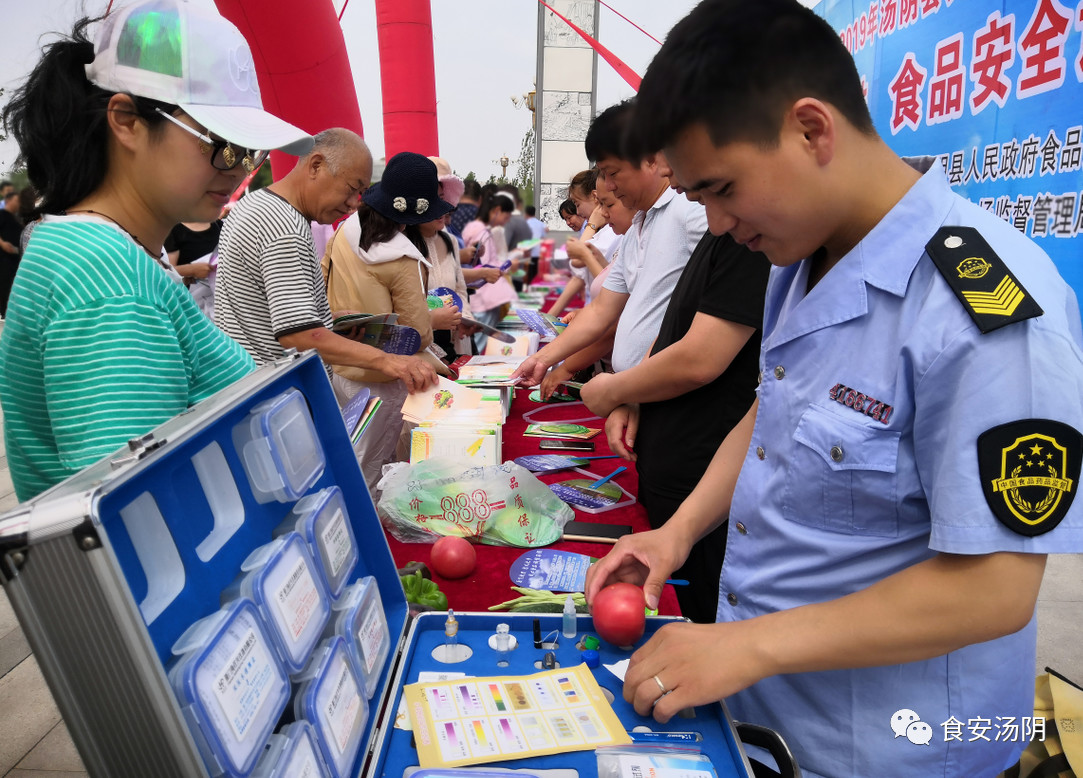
(491, 719)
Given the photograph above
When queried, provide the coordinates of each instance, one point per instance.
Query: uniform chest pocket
(843, 477)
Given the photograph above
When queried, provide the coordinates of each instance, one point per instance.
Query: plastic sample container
(329, 697)
(292, 753)
(279, 447)
(282, 580)
(359, 619)
(231, 686)
(322, 520)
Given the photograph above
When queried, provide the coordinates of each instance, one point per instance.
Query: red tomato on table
(453, 557)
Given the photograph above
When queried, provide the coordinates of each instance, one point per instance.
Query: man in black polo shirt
(670, 412)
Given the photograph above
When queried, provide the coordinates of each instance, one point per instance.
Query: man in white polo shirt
(652, 255)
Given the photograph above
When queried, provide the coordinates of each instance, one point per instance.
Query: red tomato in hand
(618, 614)
(453, 557)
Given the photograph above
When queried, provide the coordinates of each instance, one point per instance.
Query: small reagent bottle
(451, 629)
(568, 621)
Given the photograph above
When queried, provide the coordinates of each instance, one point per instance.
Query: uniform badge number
(1030, 473)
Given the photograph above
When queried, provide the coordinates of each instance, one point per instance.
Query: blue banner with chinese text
(994, 90)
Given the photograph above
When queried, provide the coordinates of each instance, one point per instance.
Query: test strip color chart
(441, 701)
(453, 746)
(490, 719)
(509, 735)
(492, 697)
(467, 699)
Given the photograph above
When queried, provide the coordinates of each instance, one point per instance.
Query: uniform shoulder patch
(987, 289)
(1029, 472)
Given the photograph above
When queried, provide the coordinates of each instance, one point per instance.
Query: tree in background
(524, 173)
(263, 178)
(493, 179)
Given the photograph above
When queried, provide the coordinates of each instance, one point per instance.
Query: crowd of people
(775, 328)
(823, 444)
(251, 272)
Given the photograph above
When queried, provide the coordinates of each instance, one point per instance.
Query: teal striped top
(99, 345)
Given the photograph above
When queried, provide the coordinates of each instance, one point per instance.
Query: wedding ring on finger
(662, 687)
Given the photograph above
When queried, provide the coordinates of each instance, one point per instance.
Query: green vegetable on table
(540, 601)
(421, 591)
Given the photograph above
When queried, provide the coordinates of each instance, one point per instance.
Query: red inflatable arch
(407, 76)
(305, 77)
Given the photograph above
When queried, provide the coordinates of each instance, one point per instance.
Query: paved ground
(34, 743)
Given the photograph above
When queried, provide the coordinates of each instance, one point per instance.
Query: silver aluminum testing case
(159, 591)
(108, 570)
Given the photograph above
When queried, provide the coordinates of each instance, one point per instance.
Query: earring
(246, 163)
(229, 155)
(204, 149)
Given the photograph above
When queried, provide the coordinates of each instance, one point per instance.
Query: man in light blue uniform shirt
(868, 421)
(913, 453)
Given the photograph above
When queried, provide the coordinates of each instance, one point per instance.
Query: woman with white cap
(154, 125)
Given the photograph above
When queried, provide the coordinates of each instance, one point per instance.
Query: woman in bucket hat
(153, 124)
(376, 263)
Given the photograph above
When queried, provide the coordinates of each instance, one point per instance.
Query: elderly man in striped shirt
(270, 294)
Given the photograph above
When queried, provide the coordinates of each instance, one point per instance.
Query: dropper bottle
(568, 619)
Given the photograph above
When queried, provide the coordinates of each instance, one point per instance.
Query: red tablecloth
(490, 583)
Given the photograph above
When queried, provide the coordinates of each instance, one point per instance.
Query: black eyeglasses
(223, 155)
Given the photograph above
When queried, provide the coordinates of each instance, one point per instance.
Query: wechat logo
(908, 724)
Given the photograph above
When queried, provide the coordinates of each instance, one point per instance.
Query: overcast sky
(485, 50)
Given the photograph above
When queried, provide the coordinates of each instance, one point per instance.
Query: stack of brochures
(561, 430)
(492, 376)
(358, 412)
(379, 331)
(534, 297)
(489, 370)
(523, 344)
(542, 323)
(457, 422)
